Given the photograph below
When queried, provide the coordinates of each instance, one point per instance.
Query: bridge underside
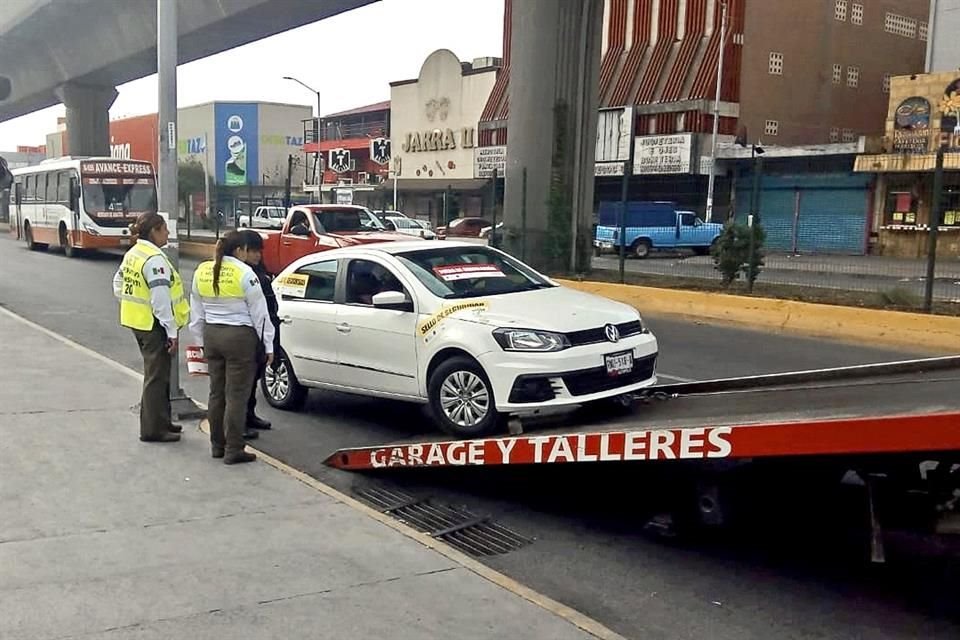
(95, 45)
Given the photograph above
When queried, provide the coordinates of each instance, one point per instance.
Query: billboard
(236, 131)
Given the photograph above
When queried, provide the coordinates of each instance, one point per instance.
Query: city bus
(78, 204)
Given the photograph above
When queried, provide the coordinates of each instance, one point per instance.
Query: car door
(687, 229)
(377, 347)
(308, 315)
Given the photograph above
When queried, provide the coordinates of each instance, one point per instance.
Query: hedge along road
(587, 555)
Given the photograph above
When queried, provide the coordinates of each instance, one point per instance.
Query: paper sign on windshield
(451, 272)
(294, 285)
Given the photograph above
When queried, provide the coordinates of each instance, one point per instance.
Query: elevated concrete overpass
(77, 51)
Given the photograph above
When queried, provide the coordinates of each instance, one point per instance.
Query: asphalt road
(792, 573)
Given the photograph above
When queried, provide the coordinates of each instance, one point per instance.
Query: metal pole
(493, 209)
(206, 175)
(754, 218)
(181, 406)
(523, 218)
(716, 117)
(625, 193)
(934, 230)
(396, 178)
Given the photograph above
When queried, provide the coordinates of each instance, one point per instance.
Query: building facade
(434, 122)
(348, 157)
(795, 72)
(943, 52)
(923, 114)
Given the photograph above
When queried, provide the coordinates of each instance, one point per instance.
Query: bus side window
(30, 190)
(63, 188)
(49, 186)
(18, 192)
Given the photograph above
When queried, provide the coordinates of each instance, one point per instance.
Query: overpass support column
(88, 118)
(554, 71)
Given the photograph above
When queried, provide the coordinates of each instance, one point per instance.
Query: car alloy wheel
(464, 398)
(280, 386)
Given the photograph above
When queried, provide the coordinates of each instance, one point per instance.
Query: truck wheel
(28, 237)
(280, 386)
(461, 399)
(641, 249)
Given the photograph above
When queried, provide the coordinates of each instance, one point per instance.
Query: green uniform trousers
(231, 353)
(155, 401)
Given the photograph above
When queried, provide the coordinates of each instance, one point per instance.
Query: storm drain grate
(468, 532)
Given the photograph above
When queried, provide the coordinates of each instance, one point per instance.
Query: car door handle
(286, 320)
(343, 328)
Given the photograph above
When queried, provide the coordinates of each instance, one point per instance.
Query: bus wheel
(68, 249)
(28, 236)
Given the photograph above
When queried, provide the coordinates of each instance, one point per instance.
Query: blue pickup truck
(653, 225)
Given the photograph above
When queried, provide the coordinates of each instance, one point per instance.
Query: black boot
(250, 434)
(256, 422)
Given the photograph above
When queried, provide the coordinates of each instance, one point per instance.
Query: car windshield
(346, 221)
(119, 200)
(470, 272)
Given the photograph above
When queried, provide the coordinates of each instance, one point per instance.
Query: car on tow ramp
(466, 329)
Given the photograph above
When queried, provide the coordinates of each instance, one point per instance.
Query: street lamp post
(315, 92)
(716, 116)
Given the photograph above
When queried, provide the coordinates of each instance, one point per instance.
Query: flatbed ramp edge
(901, 408)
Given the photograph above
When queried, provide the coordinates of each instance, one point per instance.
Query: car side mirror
(396, 300)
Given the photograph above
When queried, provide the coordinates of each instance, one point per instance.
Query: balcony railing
(344, 131)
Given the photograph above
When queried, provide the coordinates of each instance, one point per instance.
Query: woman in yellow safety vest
(229, 319)
(154, 306)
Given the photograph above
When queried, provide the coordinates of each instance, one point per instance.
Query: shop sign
(439, 140)
(663, 154)
(344, 196)
(486, 159)
(608, 169)
(911, 126)
(380, 150)
(950, 117)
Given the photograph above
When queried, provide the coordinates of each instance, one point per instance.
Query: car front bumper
(524, 382)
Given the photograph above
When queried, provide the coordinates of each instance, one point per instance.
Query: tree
(731, 253)
(190, 177)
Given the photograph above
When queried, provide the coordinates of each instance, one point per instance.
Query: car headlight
(530, 340)
(91, 230)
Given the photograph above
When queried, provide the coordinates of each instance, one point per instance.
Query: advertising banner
(237, 143)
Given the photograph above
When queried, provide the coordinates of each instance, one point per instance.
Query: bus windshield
(124, 198)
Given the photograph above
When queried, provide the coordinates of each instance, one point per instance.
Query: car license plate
(619, 363)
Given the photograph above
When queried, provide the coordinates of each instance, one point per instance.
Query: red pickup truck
(319, 227)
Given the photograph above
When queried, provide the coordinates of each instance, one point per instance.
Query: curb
(914, 331)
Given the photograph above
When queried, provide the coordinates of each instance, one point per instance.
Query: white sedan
(411, 227)
(467, 329)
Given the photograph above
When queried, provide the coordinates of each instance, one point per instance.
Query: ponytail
(228, 245)
(217, 263)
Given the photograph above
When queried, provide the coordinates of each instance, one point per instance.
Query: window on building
(849, 135)
(951, 207)
(924, 31)
(901, 208)
(856, 13)
(853, 77)
(776, 63)
(772, 128)
(837, 73)
(840, 10)
(835, 134)
(900, 25)
(886, 83)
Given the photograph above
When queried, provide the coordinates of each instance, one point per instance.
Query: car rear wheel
(67, 243)
(461, 399)
(280, 386)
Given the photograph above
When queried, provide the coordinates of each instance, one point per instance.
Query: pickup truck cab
(320, 227)
(651, 226)
(264, 218)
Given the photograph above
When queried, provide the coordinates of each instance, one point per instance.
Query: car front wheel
(280, 386)
(461, 399)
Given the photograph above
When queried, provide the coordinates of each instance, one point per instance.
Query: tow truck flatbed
(896, 408)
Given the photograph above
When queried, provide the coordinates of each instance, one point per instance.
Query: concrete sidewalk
(102, 536)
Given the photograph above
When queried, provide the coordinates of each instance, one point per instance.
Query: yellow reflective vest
(231, 281)
(135, 309)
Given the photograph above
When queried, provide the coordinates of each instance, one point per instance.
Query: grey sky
(350, 59)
